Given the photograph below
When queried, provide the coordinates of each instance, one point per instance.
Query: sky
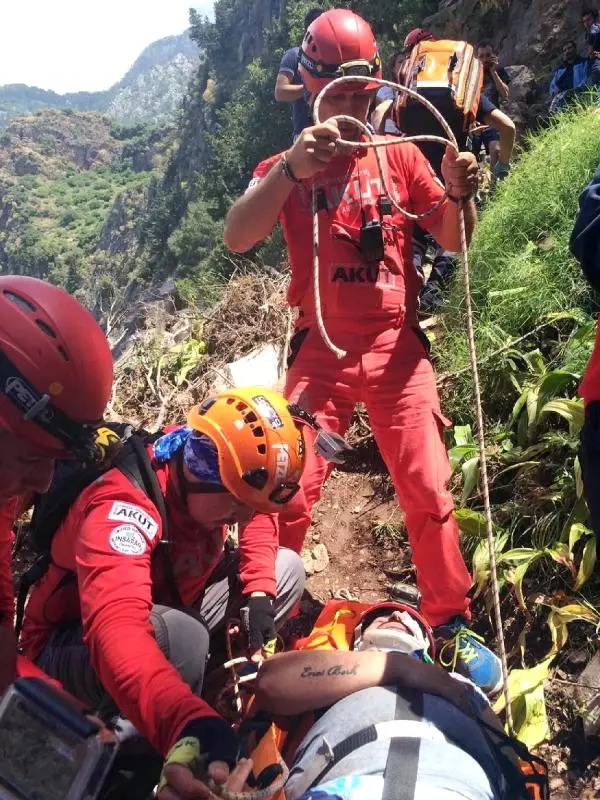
(78, 45)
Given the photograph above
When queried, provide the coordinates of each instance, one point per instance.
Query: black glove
(218, 741)
(261, 622)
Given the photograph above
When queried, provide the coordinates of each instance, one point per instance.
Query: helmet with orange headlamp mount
(260, 444)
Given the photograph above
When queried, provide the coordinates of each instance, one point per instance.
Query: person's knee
(184, 640)
(290, 577)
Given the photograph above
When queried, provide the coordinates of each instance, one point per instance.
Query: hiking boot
(460, 650)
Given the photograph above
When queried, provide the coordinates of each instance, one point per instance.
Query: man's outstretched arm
(291, 683)
(253, 216)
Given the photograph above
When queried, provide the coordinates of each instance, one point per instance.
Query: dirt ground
(366, 557)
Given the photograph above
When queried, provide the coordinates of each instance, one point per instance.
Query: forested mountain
(150, 91)
(228, 121)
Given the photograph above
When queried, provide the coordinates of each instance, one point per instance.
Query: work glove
(260, 624)
(501, 170)
(202, 742)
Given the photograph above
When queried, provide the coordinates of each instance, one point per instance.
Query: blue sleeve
(385, 93)
(289, 61)
(585, 238)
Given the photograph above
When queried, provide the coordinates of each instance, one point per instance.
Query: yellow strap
(184, 753)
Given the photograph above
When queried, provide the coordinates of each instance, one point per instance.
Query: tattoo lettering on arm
(336, 671)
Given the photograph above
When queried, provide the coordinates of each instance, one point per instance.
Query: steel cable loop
(451, 141)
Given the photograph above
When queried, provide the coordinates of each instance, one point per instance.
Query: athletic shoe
(460, 650)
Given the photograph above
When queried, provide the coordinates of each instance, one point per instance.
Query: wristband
(288, 172)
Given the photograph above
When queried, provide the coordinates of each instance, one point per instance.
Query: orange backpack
(448, 74)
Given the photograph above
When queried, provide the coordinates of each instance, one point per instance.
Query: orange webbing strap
(536, 779)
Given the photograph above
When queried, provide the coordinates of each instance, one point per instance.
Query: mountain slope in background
(151, 91)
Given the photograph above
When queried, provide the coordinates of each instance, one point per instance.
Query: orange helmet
(261, 450)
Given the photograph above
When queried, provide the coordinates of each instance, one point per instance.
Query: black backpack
(123, 448)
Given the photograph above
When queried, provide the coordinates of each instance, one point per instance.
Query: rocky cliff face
(151, 91)
(528, 36)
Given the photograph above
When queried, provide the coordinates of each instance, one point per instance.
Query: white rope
(451, 141)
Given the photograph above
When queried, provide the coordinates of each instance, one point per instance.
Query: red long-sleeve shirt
(107, 541)
(7, 604)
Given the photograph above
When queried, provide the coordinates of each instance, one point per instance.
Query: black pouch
(371, 242)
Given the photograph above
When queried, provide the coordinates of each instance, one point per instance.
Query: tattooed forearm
(335, 671)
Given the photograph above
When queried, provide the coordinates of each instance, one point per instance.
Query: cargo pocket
(295, 345)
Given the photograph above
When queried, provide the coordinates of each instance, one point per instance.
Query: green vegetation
(534, 334)
(68, 184)
(523, 278)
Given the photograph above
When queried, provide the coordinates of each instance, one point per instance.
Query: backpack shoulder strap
(137, 468)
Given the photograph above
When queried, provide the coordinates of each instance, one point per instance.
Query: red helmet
(55, 366)
(415, 36)
(337, 44)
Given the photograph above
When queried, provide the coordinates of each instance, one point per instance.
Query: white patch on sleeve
(128, 540)
(254, 182)
(127, 512)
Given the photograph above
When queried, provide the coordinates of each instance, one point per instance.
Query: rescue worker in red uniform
(370, 310)
(585, 246)
(102, 619)
(55, 381)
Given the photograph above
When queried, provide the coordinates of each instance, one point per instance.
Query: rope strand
(451, 141)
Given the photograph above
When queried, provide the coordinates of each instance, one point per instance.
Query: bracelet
(288, 172)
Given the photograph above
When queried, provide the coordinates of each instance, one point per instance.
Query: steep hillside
(73, 188)
(151, 91)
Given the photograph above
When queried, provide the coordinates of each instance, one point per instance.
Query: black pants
(589, 457)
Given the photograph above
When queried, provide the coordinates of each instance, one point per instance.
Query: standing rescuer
(369, 295)
(55, 380)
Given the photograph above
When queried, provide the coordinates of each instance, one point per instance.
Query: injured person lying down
(379, 721)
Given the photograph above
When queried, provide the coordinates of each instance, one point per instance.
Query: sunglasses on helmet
(357, 68)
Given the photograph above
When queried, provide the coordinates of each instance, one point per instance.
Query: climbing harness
(451, 141)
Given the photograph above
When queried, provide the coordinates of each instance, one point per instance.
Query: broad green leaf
(519, 468)
(554, 382)
(519, 406)
(571, 410)
(525, 556)
(481, 561)
(532, 406)
(588, 563)
(535, 361)
(470, 471)
(530, 718)
(578, 478)
(463, 435)
(560, 553)
(559, 618)
(458, 454)
(576, 531)
(470, 522)
(526, 690)
(519, 554)
(571, 314)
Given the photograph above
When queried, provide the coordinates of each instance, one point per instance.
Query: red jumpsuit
(107, 541)
(7, 604)
(370, 310)
(590, 385)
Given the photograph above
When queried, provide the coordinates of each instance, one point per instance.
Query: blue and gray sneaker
(460, 650)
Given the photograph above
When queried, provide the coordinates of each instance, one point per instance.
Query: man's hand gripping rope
(451, 147)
